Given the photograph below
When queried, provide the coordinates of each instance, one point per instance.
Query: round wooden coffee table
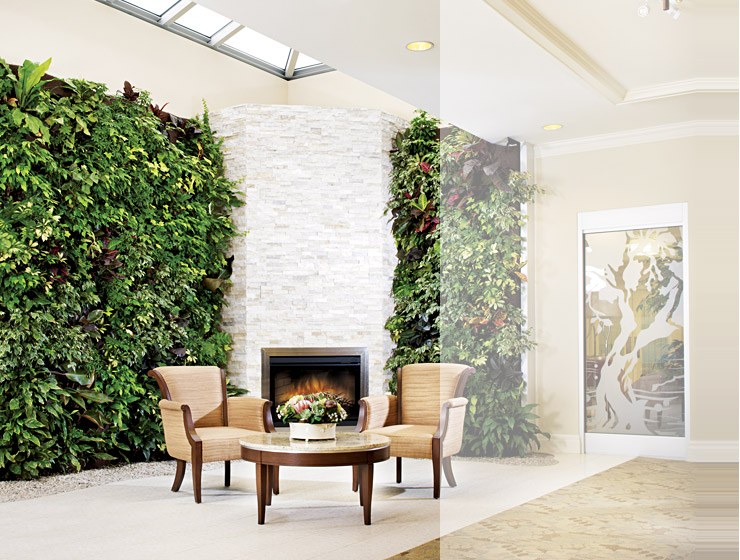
(270, 451)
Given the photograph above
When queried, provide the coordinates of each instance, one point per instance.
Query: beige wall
(89, 40)
(700, 171)
(335, 89)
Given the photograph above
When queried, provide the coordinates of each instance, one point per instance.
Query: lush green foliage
(113, 214)
(482, 321)
(414, 204)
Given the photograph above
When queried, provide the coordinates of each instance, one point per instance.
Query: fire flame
(339, 386)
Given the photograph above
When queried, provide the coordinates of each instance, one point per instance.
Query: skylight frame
(133, 3)
(216, 41)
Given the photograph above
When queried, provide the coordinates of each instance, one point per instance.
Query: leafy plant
(108, 229)
(414, 203)
(28, 84)
(481, 318)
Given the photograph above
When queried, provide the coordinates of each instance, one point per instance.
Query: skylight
(229, 37)
(305, 61)
(203, 21)
(157, 7)
(257, 45)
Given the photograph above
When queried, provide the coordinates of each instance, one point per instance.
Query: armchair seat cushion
(408, 440)
(221, 443)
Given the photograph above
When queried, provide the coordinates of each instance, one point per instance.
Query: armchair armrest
(179, 430)
(451, 422)
(376, 412)
(251, 413)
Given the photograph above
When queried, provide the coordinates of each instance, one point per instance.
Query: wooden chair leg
(361, 474)
(276, 480)
(227, 473)
(436, 464)
(399, 469)
(197, 464)
(447, 466)
(179, 475)
(355, 478)
(268, 485)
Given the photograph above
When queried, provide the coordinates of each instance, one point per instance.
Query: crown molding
(522, 15)
(683, 87)
(637, 136)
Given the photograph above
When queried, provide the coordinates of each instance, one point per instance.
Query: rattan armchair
(201, 424)
(424, 420)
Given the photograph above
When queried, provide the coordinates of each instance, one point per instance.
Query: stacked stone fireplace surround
(315, 264)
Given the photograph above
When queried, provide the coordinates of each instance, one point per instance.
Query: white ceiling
(507, 67)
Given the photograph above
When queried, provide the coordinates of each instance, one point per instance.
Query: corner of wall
(561, 443)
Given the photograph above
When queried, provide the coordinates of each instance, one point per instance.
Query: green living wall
(457, 211)
(414, 206)
(114, 216)
(483, 213)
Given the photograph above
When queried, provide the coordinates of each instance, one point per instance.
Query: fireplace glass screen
(340, 376)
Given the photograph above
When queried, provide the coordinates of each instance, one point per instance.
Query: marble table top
(345, 441)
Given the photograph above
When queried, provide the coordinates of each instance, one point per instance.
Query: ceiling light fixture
(553, 126)
(669, 6)
(419, 46)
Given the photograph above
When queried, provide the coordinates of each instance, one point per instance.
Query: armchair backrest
(422, 388)
(202, 388)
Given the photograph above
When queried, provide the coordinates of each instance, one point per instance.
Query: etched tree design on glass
(634, 332)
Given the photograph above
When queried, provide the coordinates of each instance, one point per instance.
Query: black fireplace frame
(360, 351)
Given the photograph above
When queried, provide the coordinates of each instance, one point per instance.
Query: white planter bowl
(301, 430)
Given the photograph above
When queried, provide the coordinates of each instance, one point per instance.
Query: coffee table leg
(366, 490)
(355, 478)
(262, 478)
(276, 479)
(360, 478)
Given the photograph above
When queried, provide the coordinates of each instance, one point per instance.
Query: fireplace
(342, 372)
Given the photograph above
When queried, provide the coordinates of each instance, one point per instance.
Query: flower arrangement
(316, 408)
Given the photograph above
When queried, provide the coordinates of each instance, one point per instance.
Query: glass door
(634, 331)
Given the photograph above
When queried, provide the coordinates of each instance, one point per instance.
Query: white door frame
(663, 215)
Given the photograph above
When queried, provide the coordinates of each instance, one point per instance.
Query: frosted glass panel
(634, 342)
(260, 46)
(157, 7)
(304, 61)
(203, 21)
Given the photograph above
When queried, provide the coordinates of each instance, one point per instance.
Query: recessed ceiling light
(552, 126)
(417, 46)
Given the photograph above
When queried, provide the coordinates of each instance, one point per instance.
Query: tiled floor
(645, 509)
(316, 514)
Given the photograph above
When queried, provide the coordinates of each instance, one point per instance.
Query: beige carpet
(646, 509)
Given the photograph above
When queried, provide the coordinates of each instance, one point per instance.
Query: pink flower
(425, 167)
(300, 406)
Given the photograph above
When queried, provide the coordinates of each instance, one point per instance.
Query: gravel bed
(529, 460)
(17, 490)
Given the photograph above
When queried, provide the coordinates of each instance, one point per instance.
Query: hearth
(341, 372)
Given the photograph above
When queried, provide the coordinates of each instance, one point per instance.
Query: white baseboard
(701, 451)
(713, 451)
(561, 443)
